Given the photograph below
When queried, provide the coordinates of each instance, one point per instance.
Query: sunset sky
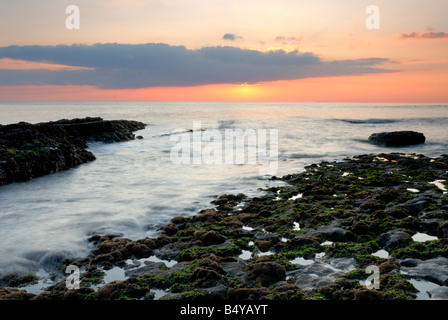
(207, 50)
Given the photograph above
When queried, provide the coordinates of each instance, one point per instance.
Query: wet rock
(363, 227)
(266, 272)
(366, 294)
(209, 215)
(235, 269)
(434, 270)
(393, 239)
(179, 220)
(442, 229)
(321, 273)
(138, 250)
(332, 232)
(209, 237)
(169, 229)
(247, 293)
(14, 294)
(387, 196)
(440, 293)
(29, 150)
(110, 291)
(206, 277)
(397, 138)
(263, 245)
(371, 205)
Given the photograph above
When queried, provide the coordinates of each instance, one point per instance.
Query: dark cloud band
(117, 66)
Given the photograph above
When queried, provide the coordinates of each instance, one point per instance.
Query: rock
(366, 294)
(29, 150)
(321, 273)
(332, 232)
(434, 270)
(363, 227)
(397, 138)
(266, 272)
(387, 196)
(247, 293)
(442, 229)
(138, 250)
(371, 205)
(206, 277)
(440, 293)
(266, 236)
(393, 239)
(209, 215)
(235, 269)
(209, 237)
(14, 294)
(399, 211)
(263, 245)
(169, 229)
(179, 220)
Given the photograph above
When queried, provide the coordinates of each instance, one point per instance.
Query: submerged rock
(397, 138)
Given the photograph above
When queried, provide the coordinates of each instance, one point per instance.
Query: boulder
(397, 138)
(266, 272)
(393, 239)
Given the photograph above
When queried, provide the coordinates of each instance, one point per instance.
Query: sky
(224, 50)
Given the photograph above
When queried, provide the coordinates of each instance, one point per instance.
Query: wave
(305, 156)
(369, 121)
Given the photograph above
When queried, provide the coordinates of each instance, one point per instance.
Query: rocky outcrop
(397, 138)
(29, 150)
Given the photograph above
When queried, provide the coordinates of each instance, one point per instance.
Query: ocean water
(134, 187)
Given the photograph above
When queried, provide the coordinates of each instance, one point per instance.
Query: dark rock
(440, 293)
(388, 195)
(206, 277)
(266, 272)
(15, 294)
(366, 294)
(363, 227)
(263, 245)
(434, 270)
(371, 205)
(397, 138)
(235, 269)
(247, 293)
(209, 237)
(179, 220)
(169, 229)
(29, 150)
(442, 229)
(393, 239)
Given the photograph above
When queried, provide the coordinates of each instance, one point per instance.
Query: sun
(246, 91)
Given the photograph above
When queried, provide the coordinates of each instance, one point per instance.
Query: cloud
(425, 35)
(284, 39)
(120, 66)
(231, 37)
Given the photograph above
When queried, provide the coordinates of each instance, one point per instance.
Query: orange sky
(418, 86)
(413, 37)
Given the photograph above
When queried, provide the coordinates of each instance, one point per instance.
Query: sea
(134, 187)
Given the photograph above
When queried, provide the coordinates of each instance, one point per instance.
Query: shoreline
(310, 240)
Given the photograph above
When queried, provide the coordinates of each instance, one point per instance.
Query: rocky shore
(312, 239)
(29, 150)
